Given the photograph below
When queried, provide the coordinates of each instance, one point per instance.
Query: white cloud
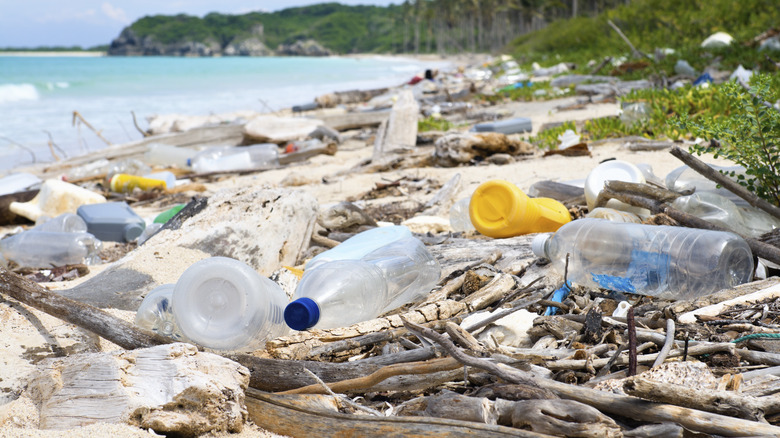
(115, 13)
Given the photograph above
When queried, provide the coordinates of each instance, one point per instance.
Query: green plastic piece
(168, 214)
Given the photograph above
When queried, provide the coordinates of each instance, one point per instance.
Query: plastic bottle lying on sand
(361, 244)
(156, 313)
(345, 291)
(671, 262)
(64, 223)
(712, 207)
(44, 249)
(167, 155)
(684, 178)
(54, 198)
(222, 303)
(500, 209)
(124, 183)
(227, 158)
(460, 221)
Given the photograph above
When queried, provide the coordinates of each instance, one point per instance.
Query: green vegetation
(55, 49)
(748, 134)
(434, 124)
(528, 91)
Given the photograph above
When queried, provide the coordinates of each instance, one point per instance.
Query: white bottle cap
(606, 171)
(539, 244)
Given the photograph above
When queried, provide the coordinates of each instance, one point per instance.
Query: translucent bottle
(64, 223)
(361, 244)
(500, 209)
(222, 159)
(222, 303)
(45, 249)
(613, 215)
(665, 261)
(342, 292)
(156, 313)
(684, 178)
(167, 155)
(712, 207)
(459, 216)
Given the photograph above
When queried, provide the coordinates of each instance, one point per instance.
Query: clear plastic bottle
(671, 262)
(221, 159)
(343, 292)
(361, 244)
(459, 216)
(166, 155)
(684, 178)
(64, 223)
(156, 313)
(613, 215)
(712, 207)
(45, 249)
(223, 304)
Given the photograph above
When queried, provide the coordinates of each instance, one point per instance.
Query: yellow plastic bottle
(123, 183)
(500, 209)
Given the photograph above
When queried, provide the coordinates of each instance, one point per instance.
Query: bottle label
(647, 271)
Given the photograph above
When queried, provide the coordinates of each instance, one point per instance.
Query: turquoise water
(40, 93)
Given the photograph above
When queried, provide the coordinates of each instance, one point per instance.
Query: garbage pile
(623, 304)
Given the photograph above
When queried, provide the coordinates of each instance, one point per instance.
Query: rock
(682, 67)
(251, 46)
(718, 39)
(265, 228)
(324, 132)
(303, 48)
(171, 389)
(454, 149)
(130, 44)
(275, 129)
(427, 224)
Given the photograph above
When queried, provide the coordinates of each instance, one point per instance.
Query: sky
(88, 23)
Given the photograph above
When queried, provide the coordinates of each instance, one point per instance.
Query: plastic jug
(64, 223)
(112, 221)
(345, 291)
(156, 313)
(500, 209)
(223, 159)
(54, 198)
(45, 249)
(671, 262)
(222, 303)
(167, 155)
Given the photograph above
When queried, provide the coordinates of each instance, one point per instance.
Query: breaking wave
(18, 93)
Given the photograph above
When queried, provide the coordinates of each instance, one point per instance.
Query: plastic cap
(539, 243)
(133, 231)
(302, 314)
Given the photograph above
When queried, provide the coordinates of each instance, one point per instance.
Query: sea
(39, 94)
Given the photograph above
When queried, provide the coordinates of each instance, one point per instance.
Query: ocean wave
(18, 92)
(55, 85)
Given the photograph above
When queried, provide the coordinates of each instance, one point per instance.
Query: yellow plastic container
(500, 209)
(123, 183)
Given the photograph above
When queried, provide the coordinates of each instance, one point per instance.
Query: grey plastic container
(509, 126)
(112, 221)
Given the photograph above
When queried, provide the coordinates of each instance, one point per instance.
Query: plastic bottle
(222, 303)
(112, 221)
(90, 170)
(684, 178)
(671, 262)
(64, 223)
(717, 209)
(613, 215)
(361, 244)
(128, 166)
(342, 292)
(156, 313)
(500, 209)
(168, 177)
(223, 159)
(124, 183)
(54, 198)
(167, 155)
(459, 216)
(44, 249)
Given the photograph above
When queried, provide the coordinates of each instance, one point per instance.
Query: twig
(601, 65)
(343, 398)
(667, 345)
(78, 117)
(135, 123)
(32, 154)
(754, 95)
(631, 342)
(685, 351)
(52, 145)
(729, 184)
(636, 52)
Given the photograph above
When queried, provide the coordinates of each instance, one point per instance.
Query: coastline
(74, 54)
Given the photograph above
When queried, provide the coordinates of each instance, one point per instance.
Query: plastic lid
(302, 314)
(539, 243)
(495, 206)
(609, 171)
(133, 231)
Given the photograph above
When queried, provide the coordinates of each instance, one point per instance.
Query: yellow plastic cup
(500, 209)
(123, 183)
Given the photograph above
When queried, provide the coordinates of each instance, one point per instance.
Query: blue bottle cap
(302, 314)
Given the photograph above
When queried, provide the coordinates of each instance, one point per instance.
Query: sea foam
(18, 92)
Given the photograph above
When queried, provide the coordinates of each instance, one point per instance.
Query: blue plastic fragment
(558, 296)
(705, 77)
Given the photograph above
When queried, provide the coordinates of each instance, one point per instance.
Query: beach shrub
(749, 135)
(431, 123)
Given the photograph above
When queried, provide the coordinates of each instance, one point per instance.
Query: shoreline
(70, 54)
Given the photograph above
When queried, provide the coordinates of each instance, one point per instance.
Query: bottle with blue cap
(665, 261)
(365, 276)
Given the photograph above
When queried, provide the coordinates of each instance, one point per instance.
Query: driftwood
(330, 100)
(729, 184)
(286, 415)
(343, 122)
(651, 145)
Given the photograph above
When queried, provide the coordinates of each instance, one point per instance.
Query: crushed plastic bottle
(227, 158)
(684, 179)
(156, 313)
(222, 303)
(45, 249)
(342, 291)
(669, 262)
(719, 210)
(64, 223)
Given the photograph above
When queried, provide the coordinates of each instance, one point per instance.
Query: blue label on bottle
(646, 271)
(612, 282)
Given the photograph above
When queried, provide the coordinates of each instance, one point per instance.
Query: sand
(26, 332)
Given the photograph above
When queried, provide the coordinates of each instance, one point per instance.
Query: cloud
(114, 13)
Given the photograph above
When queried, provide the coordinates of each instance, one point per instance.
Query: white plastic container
(223, 159)
(670, 262)
(56, 197)
(156, 313)
(343, 292)
(223, 304)
(166, 155)
(64, 223)
(613, 170)
(45, 249)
